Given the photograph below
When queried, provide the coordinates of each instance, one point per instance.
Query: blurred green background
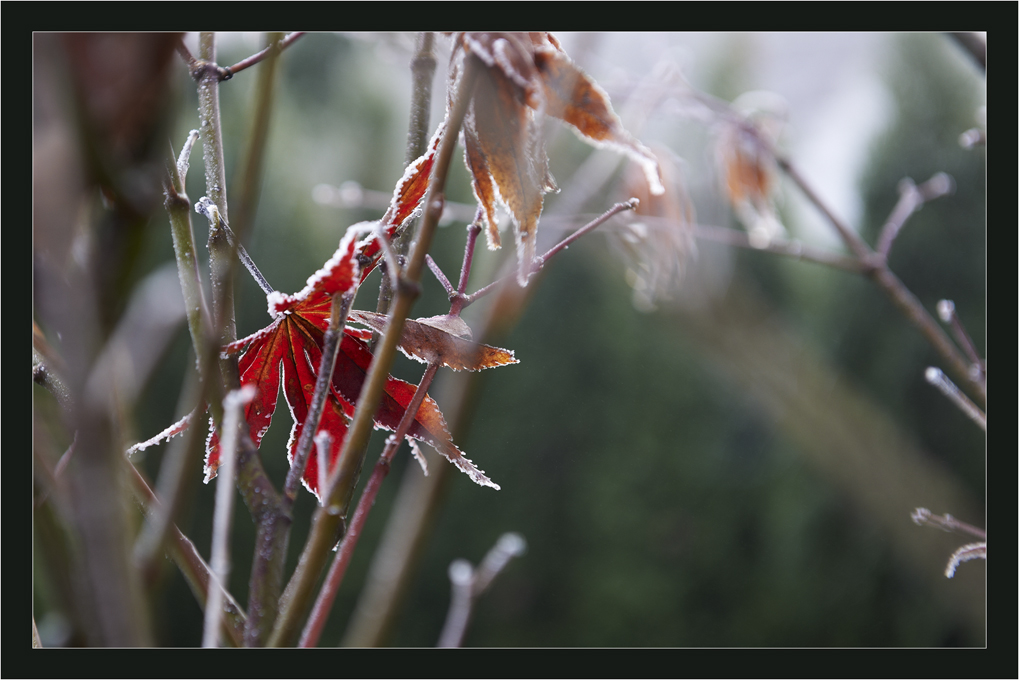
(734, 467)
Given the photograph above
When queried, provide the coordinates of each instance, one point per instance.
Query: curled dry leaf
(524, 77)
(444, 339)
(748, 168)
(657, 240)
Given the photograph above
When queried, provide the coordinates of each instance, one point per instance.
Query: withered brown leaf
(441, 339)
(524, 77)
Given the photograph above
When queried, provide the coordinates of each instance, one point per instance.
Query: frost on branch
(165, 435)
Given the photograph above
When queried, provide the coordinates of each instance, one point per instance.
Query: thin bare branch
(330, 347)
(473, 230)
(440, 275)
(925, 517)
(327, 595)
(194, 569)
(223, 513)
(469, 583)
(970, 551)
(796, 250)
(540, 261)
(911, 199)
(878, 271)
(946, 311)
(276, 46)
(936, 377)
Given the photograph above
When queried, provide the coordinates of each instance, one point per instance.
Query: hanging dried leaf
(524, 77)
(748, 168)
(657, 240)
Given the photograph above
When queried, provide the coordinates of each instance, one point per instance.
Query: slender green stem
(328, 519)
(178, 207)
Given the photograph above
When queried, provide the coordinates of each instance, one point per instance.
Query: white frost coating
(209, 472)
(166, 434)
(970, 551)
(499, 49)
(277, 302)
(184, 160)
(206, 207)
(946, 310)
(479, 50)
(461, 573)
(456, 457)
(418, 456)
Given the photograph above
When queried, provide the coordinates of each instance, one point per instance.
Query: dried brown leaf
(441, 339)
(524, 77)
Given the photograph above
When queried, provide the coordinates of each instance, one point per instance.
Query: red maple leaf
(288, 352)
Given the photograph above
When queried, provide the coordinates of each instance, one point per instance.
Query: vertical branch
(251, 175)
(220, 252)
(423, 69)
(469, 583)
(178, 207)
(223, 514)
(327, 520)
(260, 496)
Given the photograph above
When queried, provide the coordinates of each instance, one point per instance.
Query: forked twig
(468, 583)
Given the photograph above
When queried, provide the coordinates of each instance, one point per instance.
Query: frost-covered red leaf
(287, 354)
(524, 77)
(441, 339)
